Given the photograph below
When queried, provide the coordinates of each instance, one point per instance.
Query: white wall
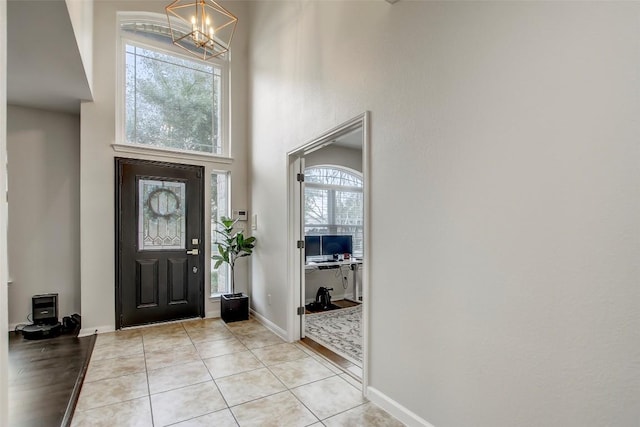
(331, 278)
(44, 210)
(81, 15)
(4, 263)
(504, 158)
(98, 129)
(332, 155)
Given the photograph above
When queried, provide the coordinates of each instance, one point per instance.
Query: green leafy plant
(232, 245)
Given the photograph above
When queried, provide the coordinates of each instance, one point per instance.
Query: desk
(353, 265)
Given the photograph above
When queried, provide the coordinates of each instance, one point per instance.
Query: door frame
(118, 163)
(294, 220)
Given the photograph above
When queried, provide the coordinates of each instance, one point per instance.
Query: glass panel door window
(161, 216)
(220, 279)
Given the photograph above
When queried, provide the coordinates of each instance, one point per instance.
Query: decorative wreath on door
(171, 208)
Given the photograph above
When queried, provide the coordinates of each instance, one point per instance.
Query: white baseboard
(394, 408)
(270, 325)
(212, 314)
(96, 330)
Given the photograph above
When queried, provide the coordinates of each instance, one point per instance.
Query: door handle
(193, 252)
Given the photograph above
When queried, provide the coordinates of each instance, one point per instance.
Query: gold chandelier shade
(201, 27)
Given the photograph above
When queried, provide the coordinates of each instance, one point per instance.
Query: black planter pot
(234, 307)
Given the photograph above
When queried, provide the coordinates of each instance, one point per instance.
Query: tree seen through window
(172, 102)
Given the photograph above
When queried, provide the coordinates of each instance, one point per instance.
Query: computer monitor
(337, 244)
(312, 246)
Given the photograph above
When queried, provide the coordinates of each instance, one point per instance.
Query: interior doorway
(329, 209)
(159, 242)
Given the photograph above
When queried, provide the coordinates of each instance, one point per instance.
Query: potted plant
(232, 245)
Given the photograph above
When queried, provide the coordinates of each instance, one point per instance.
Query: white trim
(403, 414)
(84, 332)
(4, 214)
(211, 238)
(270, 325)
(366, 273)
(294, 260)
(328, 137)
(297, 218)
(166, 152)
(168, 322)
(213, 314)
(293, 263)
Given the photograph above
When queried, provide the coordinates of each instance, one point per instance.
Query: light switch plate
(254, 222)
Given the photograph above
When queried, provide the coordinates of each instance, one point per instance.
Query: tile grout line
(146, 372)
(203, 382)
(214, 381)
(288, 389)
(267, 367)
(346, 410)
(244, 336)
(316, 381)
(321, 358)
(221, 394)
(264, 366)
(111, 378)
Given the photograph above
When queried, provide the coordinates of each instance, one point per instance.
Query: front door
(159, 246)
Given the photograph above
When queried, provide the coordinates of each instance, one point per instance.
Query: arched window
(333, 203)
(169, 100)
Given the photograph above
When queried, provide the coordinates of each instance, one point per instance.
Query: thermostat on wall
(240, 214)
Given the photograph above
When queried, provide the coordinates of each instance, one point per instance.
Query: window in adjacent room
(220, 282)
(333, 203)
(171, 101)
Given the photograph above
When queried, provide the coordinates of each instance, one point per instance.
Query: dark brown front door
(159, 247)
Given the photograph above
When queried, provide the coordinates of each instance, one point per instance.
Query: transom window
(170, 101)
(333, 203)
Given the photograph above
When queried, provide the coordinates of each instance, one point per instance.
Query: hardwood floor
(45, 378)
(344, 303)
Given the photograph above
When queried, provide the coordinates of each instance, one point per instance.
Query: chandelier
(201, 27)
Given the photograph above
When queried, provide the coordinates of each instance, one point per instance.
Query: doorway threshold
(340, 362)
(163, 323)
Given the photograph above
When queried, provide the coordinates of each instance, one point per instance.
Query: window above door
(168, 101)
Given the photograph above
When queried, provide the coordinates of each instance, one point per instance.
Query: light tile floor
(208, 373)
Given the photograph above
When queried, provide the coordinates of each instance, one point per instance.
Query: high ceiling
(44, 68)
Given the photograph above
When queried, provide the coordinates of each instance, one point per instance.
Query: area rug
(339, 331)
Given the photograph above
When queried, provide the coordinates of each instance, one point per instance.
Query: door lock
(193, 252)
(195, 270)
